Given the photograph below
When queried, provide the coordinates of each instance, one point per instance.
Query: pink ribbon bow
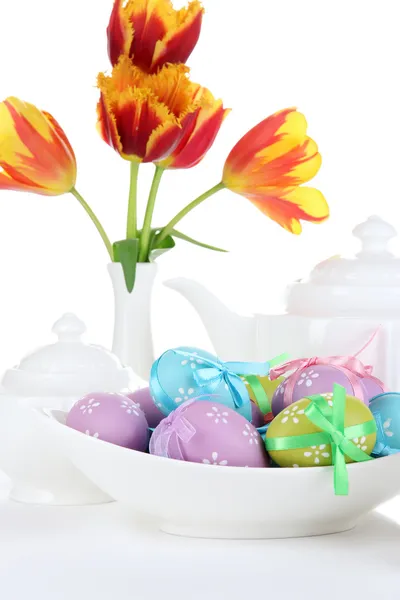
(351, 365)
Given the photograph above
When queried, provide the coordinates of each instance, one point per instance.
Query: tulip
(270, 163)
(143, 117)
(200, 136)
(35, 154)
(152, 33)
(268, 166)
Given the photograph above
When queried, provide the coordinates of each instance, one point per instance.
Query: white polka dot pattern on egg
(360, 443)
(219, 417)
(95, 435)
(131, 409)
(252, 435)
(386, 426)
(88, 408)
(316, 453)
(183, 395)
(215, 460)
(293, 414)
(193, 361)
(307, 378)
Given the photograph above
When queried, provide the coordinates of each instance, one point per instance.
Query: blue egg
(386, 411)
(174, 379)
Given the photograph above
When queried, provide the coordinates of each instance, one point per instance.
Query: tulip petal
(178, 43)
(194, 147)
(288, 206)
(106, 125)
(150, 21)
(162, 141)
(270, 138)
(35, 153)
(173, 88)
(119, 32)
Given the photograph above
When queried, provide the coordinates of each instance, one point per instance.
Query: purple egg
(209, 433)
(144, 399)
(319, 379)
(113, 418)
(372, 388)
(257, 418)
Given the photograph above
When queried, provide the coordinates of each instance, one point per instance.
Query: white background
(336, 60)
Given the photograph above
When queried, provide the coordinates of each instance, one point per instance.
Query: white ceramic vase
(133, 341)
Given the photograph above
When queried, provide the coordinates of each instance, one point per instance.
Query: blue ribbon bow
(215, 372)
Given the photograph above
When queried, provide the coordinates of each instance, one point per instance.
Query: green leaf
(157, 249)
(126, 253)
(186, 238)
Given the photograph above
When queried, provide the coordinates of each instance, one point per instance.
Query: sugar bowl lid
(69, 367)
(366, 285)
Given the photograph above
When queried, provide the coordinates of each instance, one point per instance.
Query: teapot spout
(233, 336)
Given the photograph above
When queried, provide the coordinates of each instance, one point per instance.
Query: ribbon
(260, 395)
(380, 448)
(353, 367)
(331, 423)
(174, 424)
(215, 372)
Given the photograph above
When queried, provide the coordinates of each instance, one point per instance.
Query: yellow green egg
(268, 386)
(293, 422)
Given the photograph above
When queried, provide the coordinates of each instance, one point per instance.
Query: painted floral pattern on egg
(320, 379)
(220, 437)
(110, 417)
(174, 379)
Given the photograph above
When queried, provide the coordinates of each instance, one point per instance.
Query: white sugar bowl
(53, 377)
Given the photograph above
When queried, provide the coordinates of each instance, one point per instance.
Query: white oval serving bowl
(227, 502)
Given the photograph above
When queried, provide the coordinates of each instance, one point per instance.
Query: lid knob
(69, 328)
(374, 235)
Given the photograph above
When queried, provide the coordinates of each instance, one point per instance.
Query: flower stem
(146, 231)
(168, 228)
(131, 224)
(96, 221)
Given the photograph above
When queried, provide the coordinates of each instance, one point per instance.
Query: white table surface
(100, 553)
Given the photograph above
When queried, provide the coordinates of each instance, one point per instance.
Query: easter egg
(209, 433)
(320, 379)
(293, 421)
(386, 411)
(268, 386)
(257, 418)
(187, 373)
(144, 400)
(110, 417)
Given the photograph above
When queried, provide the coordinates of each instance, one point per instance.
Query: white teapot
(53, 377)
(345, 305)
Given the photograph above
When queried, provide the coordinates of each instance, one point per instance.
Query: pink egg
(144, 399)
(209, 433)
(319, 379)
(113, 418)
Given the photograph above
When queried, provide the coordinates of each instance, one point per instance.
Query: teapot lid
(69, 367)
(366, 285)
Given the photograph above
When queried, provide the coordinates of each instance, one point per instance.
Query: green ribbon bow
(331, 422)
(260, 395)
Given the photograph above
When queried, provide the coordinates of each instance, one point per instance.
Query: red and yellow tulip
(152, 33)
(35, 154)
(200, 135)
(269, 165)
(144, 117)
